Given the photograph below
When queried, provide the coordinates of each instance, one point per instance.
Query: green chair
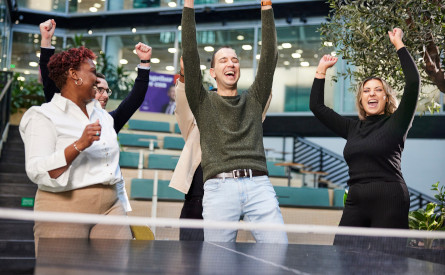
(146, 125)
(137, 140)
(294, 196)
(142, 189)
(163, 162)
(129, 159)
(174, 143)
(338, 197)
(276, 171)
(177, 130)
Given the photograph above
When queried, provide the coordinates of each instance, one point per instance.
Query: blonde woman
(378, 196)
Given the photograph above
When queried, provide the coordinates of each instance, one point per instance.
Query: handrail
(321, 159)
(6, 88)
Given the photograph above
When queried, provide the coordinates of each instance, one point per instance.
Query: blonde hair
(390, 106)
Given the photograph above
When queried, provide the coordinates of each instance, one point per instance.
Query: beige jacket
(191, 154)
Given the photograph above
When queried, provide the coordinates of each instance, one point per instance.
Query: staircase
(321, 159)
(16, 237)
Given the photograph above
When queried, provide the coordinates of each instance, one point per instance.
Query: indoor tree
(359, 31)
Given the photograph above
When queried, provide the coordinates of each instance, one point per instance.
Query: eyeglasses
(101, 90)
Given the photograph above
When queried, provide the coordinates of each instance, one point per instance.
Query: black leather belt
(240, 173)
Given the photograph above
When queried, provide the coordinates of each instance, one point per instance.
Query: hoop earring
(81, 81)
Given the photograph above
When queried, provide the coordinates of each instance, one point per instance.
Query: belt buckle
(236, 173)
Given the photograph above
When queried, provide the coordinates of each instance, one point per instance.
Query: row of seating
(142, 189)
(168, 162)
(154, 161)
(152, 126)
(145, 141)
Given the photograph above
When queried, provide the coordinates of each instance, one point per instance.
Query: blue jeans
(228, 199)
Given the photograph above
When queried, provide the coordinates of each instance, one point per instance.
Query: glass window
(44, 5)
(120, 52)
(299, 51)
(26, 51)
(5, 24)
(87, 6)
(93, 43)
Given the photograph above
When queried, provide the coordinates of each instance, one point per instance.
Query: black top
(374, 146)
(123, 112)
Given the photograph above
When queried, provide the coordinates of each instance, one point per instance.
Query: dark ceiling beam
(429, 127)
(204, 14)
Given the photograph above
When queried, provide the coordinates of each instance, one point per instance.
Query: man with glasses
(128, 106)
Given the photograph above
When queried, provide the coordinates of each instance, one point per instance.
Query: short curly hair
(60, 63)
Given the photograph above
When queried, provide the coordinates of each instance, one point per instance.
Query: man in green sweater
(230, 124)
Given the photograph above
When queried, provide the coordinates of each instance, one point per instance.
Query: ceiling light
(93, 9)
(97, 5)
(328, 44)
(90, 32)
(179, 28)
(286, 45)
(33, 64)
(280, 47)
(333, 53)
(286, 63)
(257, 56)
(170, 68)
(229, 1)
(155, 60)
(123, 61)
(171, 50)
(172, 4)
(299, 51)
(240, 37)
(304, 64)
(203, 67)
(133, 30)
(209, 49)
(38, 54)
(247, 47)
(26, 72)
(296, 55)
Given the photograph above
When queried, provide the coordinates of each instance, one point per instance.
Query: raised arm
(326, 115)
(262, 85)
(193, 85)
(184, 116)
(47, 29)
(134, 99)
(404, 114)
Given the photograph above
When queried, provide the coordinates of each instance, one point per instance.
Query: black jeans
(192, 208)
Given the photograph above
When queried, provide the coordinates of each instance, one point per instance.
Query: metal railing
(5, 105)
(318, 158)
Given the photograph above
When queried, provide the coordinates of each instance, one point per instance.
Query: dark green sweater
(230, 126)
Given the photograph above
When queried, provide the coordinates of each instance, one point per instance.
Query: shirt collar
(61, 102)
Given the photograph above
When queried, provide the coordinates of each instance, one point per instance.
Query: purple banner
(156, 99)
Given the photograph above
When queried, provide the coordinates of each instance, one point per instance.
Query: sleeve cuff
(143, 68)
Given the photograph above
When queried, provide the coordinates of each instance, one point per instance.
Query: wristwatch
(266, 3)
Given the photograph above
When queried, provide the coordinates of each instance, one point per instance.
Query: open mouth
(373, 103)
(230, 74)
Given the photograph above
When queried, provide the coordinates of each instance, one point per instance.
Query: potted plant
(429, 219)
